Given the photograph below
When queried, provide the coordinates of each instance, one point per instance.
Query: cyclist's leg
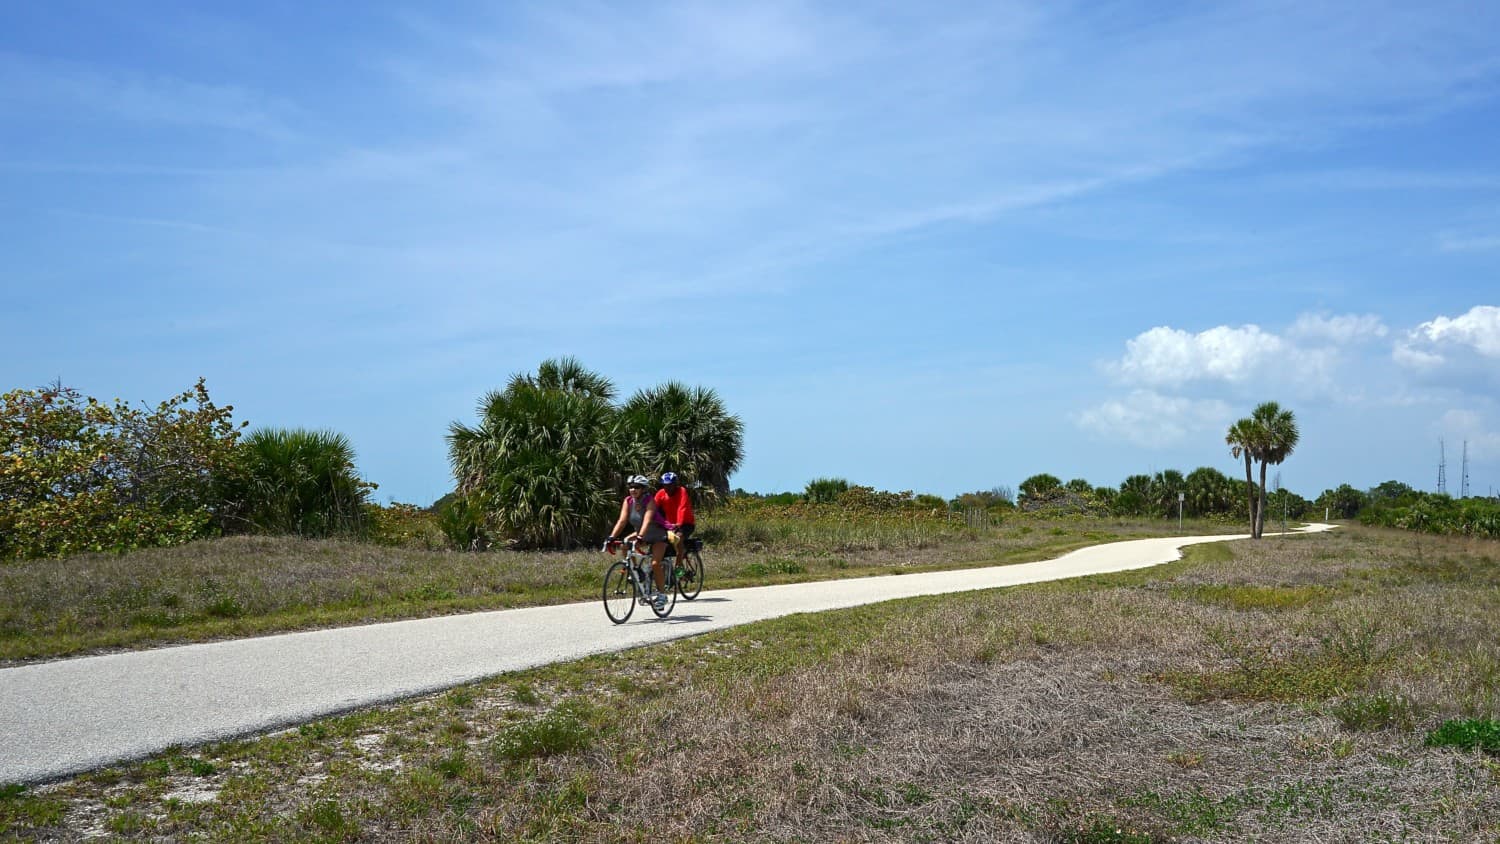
(658, 571)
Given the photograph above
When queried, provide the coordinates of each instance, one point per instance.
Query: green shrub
(779, 565)
(825, 490)
(461, 520)
(1467, 734)
(1374, 712)
(78, 475)
(560, 731)
(405, 526)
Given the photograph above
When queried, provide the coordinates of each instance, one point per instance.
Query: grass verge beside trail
(248, 585)
(1281, 690)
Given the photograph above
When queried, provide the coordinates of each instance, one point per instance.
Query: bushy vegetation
(1207, 493)
(78, 474)
(81, 475)
(855, 518)
(1426, 512)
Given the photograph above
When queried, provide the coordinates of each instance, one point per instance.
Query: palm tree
(1243, 439)
(1279, 437)
(1164, 489)
(1134, 498)
(569, 374)
(686, 430)
(1208, 491)
(542, 461)
(301, 482)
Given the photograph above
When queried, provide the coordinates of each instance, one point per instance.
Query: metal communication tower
(1463, 485)
(1442, 470)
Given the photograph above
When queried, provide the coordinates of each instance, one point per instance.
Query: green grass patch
(1367, 713)
(562, 730)
(775, 565)
(20, 809)
(1467, 734)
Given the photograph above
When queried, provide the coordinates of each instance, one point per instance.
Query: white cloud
(1348, 328)
(1152, 420)
(1479, 329)
(1413, 358)
(1454, 352)
(1168, 356)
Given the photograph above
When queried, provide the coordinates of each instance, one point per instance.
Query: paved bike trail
(65, 717)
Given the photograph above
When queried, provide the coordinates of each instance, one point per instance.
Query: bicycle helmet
(668, 478)
(638, 480)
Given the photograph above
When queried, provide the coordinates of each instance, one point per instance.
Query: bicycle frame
(637, 566)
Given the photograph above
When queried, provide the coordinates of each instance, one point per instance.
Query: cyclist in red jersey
(676, 507)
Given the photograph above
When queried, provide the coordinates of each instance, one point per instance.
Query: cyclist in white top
(640, 512)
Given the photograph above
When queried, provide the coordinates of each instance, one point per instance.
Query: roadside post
(1180, 497)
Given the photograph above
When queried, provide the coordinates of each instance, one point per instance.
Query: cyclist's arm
(624, 520)
(653, 513)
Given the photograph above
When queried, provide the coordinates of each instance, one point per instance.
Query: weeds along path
(65, 717)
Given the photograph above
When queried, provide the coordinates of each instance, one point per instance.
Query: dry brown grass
(1206, 700)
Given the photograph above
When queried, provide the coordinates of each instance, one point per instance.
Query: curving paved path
(65, 717)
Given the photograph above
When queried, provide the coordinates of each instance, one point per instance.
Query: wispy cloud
(1345, 328)
(1451, 242)
(1151, 420)
(1471, 429)
(77, 92)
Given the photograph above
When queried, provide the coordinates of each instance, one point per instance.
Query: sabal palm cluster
(1267, 436)
(686, 430)
(545, 461)
(296, 481)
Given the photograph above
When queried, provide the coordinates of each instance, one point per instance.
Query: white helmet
(639, 480)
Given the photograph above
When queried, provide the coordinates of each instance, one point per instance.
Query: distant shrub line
(1434, 513)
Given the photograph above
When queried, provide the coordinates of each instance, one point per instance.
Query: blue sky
(937, 247)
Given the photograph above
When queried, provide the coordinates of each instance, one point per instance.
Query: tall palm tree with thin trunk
(1243, 440)
(1279, 435)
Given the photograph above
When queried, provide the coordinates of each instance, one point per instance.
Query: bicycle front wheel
(666, 608)
(691, 582)
(619, 593)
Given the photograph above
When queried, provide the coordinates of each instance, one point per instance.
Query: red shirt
(675, 507)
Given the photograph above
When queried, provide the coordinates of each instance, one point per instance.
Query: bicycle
(628, 580)
(689, 572)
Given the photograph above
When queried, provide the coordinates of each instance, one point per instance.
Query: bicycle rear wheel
(691, 582)
(619, 593)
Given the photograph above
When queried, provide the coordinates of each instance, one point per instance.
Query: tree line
(542, 467)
